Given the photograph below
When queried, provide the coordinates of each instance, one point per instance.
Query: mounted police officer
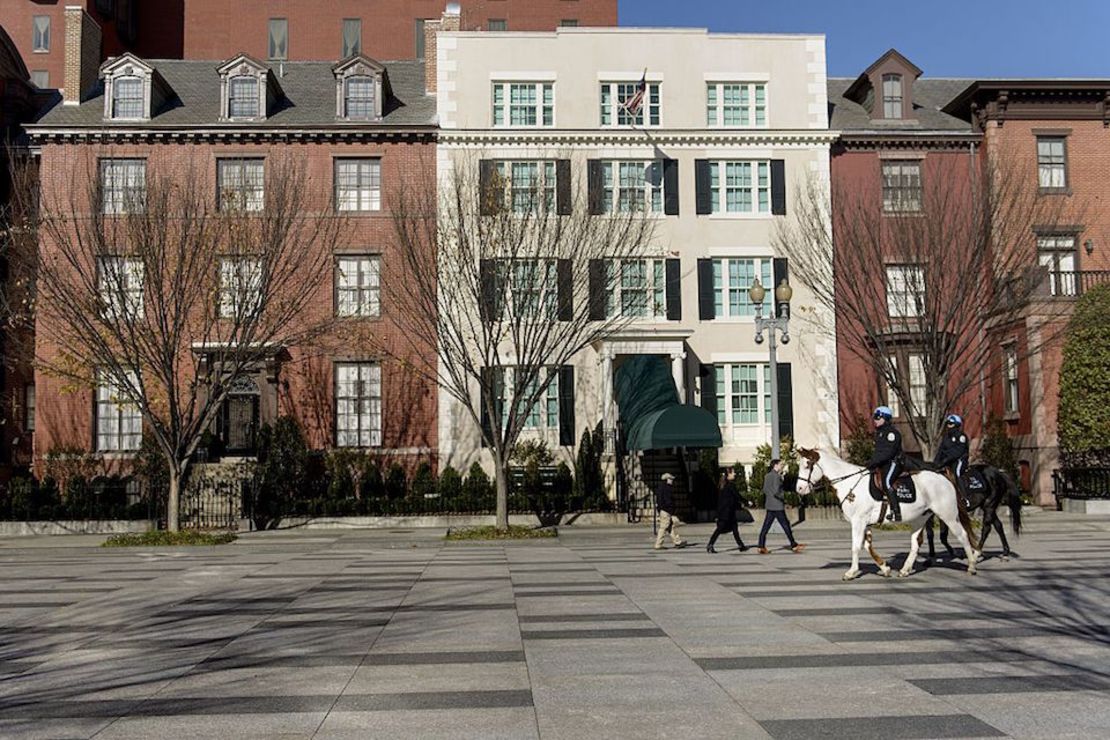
(954, 447)
(887, 457)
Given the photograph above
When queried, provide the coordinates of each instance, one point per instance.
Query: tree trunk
(502, 478)
(173, 501)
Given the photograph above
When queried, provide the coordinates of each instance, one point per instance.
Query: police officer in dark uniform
(954, 447)
(887, 457)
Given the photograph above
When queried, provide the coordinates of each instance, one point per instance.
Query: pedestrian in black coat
(728, 501)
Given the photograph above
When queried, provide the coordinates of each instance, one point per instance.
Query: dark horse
(997, 489)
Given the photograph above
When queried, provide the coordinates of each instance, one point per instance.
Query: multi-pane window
(278, 38)
(637, 288)
(122, 185)
(1052, 162)
(127, 97)
(240, 184)
(523, 104)
(544, 413)
(732, 278)
(905, 291)
(119, 423)
(358, 184)
(616, 108)
(892, 96)
(902, 186)
(120, 284)
(533, 287)
(528, 185)
(352, 37)
(40, 33)
(497, 24)
(915, 385)
(358, 97)
(743, 394)
(1010, 379)
(736, 104)
(1057, 254)
(358, 286)
(632, 186)
(358, 404)
(29, 407)
(740, 187)
(240, 287)
(242, 97)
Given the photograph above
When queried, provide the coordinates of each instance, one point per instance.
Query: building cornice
(908, 139)
(39, 134)
(464, 138)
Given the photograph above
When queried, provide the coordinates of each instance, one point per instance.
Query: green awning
(650, 412)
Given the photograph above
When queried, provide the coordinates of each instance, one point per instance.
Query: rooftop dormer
(361, 88)
(133, 90)
(248, 89)
(885, 88)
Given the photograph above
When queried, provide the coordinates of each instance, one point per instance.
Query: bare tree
(149, 285)
(923, 272)
(508, 275)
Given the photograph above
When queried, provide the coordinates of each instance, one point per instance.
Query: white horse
(935, 494)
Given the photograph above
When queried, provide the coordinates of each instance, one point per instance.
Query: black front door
(240, 424)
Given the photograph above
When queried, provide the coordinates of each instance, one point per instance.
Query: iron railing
(1072, 283)
(1084, 483)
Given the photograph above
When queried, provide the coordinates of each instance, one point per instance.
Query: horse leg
(1002, 536)
(961, 525)
(929, 534)
(990, 516)
(859, 527)
(915, 543)
(884, 569)
(944, 540)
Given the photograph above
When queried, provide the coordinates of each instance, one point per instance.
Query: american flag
(636, 103)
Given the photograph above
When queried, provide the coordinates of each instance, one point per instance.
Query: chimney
(450, 22)
(82, 55)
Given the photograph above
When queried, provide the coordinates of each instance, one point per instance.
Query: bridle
(831, 481)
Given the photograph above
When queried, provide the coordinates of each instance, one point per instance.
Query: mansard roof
(930, 97)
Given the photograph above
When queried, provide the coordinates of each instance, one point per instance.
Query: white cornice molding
(603, 137)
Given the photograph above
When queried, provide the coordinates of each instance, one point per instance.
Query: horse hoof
(904, 573)
(972, 572)
(1004, 558)
(849, 576)
(885, 571)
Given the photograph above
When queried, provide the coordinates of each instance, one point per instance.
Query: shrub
(998, 448)
(477, 489)
(423, 482)
(395, 482)
(372, 485)
(281, 472)
(450, 483)
(1084, 414)
(762, 464)
(23, 498)
(168, 539)
(859, 445)
(152, 470)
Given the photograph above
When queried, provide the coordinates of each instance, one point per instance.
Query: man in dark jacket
(668, 522)
(954, 447)
(774, 502)
(728, 501)
(887, 458)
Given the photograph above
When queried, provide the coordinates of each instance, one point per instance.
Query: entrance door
(240, 414)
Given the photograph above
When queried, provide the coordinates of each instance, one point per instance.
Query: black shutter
(705, 290)
(595, 183)
(674, 290)
(597, 290)
(780, 272)
(487, 375)
(786, 401)
(565, 283)
(708, 375)
(566, 405)
(670, 187)
(487, 192)
(564, 203)
(490, 307)
(702, 187)
(778, 187)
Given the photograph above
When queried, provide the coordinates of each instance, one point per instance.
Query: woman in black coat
(728, 501)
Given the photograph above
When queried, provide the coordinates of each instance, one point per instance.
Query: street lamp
(779, 321)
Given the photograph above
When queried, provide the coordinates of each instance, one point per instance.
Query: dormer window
(361, 88)
(359, 97)
(892, 96)
(127, 97)
(248, 88)
(242, 97)
(133, 90)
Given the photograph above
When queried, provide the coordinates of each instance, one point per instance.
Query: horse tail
(1013, 500)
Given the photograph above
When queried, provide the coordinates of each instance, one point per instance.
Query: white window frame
(1052, 162)
(893, 96)
(748, 109)
(363, 193)
(732, 278)
(240, 287)
(121, 282)
(1057, 252)
(905, 291)
(41, 34)
(358, 286)
(358, 404)
(544, 414)
(540, 111)
(122, 185)
(612, 95)
(902, 185)
(533, 287)
(524, 180)
(117, 84)
(636, 289)
(734, 383)
(119, 422)
(632, 185)
(917, 385)
(728, 177)
(372, 82)
(254, 98)
(1011, 389)
(241, 183)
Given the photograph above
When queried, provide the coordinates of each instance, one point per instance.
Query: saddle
(972, 480)
(904, 489)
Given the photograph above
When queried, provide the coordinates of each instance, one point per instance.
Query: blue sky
(945, 38)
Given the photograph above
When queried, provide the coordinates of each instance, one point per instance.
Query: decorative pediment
(133, 89)
(248, 89)
(125, 64)
(242, 64)
(361, 88)
(358, 64)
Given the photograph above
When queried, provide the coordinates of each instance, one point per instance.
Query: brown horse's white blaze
(935, 495)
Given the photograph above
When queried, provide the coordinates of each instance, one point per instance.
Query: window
(122, 185)
(358, 184)
(632, 186)
(119, 424)
(892, 96)
(1052, 161)
(528, 185)
(1057, 253)
(902, 187)
(743, 394)
(240, 287)
(732, 277)
(358, 286)
(240, 184)
(569, 23)
(533, 287)
(358, 97)
(905, 291)
(127, 97)
(544, 413)
(279, 38)
(40, 33)
(418, 28)
(917, 388)
(358, 404)
(40, 78)
(1010, 379)
(120, 283)
(497, 24)
(637, 289)
(745, 187)
(523, 104)
(352, 37)
(242, 97)
(892, 393)
(736, 104)
(29, 408)
(614, 100)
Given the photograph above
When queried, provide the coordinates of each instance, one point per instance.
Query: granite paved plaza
(395, 634)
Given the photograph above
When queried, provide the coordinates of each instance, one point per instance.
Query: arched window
(242, 97)
(359, 97)
(892, 96)
(127, 97)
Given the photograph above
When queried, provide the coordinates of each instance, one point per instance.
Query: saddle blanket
(972, 480)
(904, 490)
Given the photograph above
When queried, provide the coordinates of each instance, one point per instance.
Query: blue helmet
(883, 412)
(955, 419)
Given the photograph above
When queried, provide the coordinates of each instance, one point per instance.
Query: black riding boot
(895, 507)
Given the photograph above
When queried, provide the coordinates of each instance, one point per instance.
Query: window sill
(357, 317)
(1055, 191)
(740, 216)
(904, 214)
(1012, 417)
(723, 127)
(731, 320)
(118, 455)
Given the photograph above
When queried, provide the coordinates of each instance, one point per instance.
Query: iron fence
(1085, 483)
